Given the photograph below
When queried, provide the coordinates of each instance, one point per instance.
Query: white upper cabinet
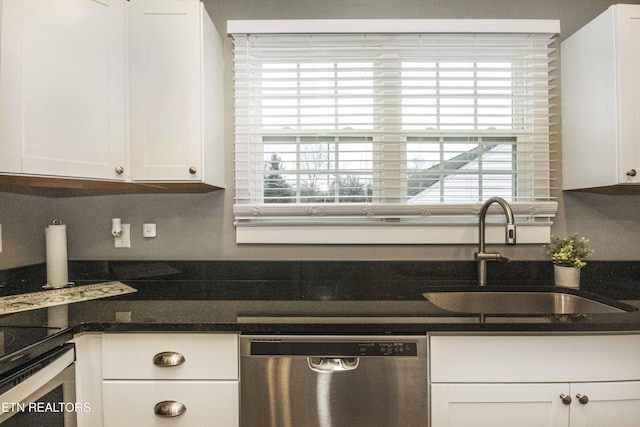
(112, 90)
(601, 101)
(62, 88)
(176, 93)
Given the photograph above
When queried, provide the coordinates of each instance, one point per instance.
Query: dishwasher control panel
(334, 349)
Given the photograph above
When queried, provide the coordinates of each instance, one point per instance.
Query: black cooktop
(19, 345)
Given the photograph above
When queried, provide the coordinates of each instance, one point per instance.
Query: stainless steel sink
(518, 303)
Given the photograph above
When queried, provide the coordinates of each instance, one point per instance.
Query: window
(353, 133)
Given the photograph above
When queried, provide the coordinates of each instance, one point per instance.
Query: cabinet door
(207, 403)
(499, 405)
(166, 90)
(628, 87)
(63, 87)
(609, 404)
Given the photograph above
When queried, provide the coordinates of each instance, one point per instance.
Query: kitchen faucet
(481, 256)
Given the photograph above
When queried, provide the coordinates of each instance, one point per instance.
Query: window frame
(424, 223)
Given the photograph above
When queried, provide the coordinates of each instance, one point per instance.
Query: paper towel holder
(57, 223)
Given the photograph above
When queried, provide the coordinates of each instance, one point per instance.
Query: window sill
(391, 234)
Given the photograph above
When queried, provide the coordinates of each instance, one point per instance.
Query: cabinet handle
(193, 170)
(631, 172)
(119, 170)
(584, 399)
(169, 409)
(167, 359)
(565, 399)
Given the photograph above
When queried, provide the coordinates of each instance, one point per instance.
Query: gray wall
(23, 220)
(200, 227)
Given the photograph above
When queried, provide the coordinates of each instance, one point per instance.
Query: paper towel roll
(57, 268)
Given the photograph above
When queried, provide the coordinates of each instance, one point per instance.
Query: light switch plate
(148, 230)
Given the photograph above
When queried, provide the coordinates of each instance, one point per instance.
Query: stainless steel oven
(40, 391)
(333, 381)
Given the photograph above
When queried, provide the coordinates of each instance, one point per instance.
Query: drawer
(537, 358)
(132, 403)
(206, 356)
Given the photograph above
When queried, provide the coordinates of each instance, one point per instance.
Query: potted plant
(567, 255)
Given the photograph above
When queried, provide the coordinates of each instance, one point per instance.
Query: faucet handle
(490, 256)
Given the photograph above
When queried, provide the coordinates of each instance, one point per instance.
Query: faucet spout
(510, 236)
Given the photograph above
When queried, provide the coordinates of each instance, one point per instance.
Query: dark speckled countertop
(301, 298)
(294, 308)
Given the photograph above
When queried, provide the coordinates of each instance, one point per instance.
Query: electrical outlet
(123, 317)
(124, 241)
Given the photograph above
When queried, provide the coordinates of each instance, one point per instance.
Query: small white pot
(566, 276)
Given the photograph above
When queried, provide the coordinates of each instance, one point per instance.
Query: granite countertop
(357, 298)
(258, 307)
(273, 307)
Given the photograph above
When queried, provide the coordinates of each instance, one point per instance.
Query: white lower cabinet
(140, 403)
(158, 379)
(535, 381)
(614, 404)
(498, 405)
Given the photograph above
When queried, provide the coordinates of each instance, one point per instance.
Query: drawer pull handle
(167, 359)
(169, 409)
(582, 399)
(565, 399)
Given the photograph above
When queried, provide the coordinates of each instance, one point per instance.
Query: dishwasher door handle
(333, 364)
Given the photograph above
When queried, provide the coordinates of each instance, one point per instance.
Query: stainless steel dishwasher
(333, 381)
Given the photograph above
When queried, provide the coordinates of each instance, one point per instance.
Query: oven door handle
(333, 364)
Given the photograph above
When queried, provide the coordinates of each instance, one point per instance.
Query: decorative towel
(49, 298)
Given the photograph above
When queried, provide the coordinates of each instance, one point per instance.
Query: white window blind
(389, 130)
